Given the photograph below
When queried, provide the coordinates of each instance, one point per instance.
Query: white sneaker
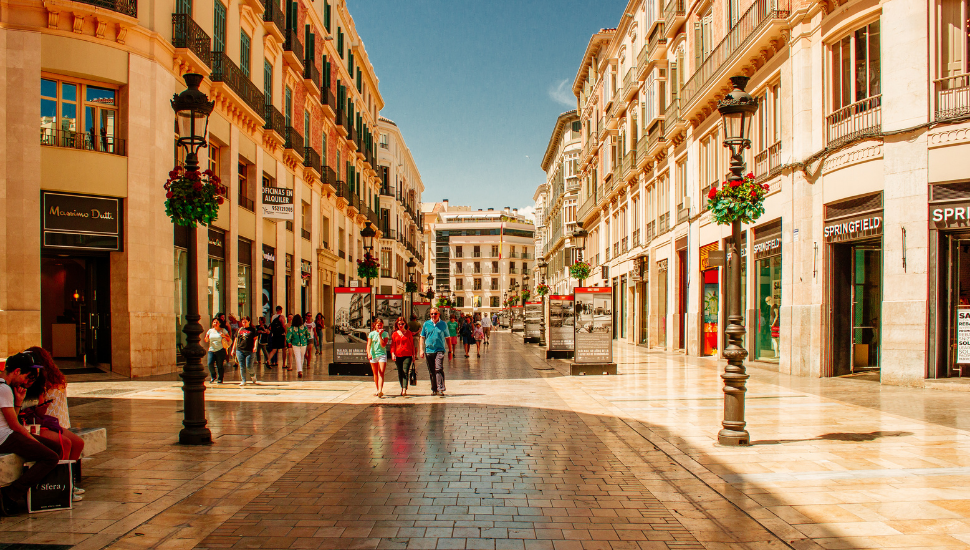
(78, 491)
(77, 498)
(243, 382)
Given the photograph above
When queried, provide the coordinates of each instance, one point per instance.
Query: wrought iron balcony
(683, 214)
(655, 136)
(856, 120)
(311, 73)
(651, 231)
(273, 18)
(629, 82)
(643, 62)
(305, 233)
(186, 33)
(657, 43)
(952, 96)
(629, 164)
(672, 119)
(124, 7)
(768, 162)
(636, 238)
(673, 16)
(327, 99)
(227, 72)
(328, 176)
(293, 48)
(86, 141)
(664, 223)
(275, 120)
(311, 159)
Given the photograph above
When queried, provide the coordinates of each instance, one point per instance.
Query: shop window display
(769, 309)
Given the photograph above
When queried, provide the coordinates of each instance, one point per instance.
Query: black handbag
(413, 375)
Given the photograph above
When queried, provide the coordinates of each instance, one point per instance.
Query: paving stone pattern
(449, 475)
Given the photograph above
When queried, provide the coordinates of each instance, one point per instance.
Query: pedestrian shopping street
(519, 455)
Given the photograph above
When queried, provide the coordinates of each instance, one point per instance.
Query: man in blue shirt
(433, 335)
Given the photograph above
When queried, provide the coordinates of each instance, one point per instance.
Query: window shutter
(219, 27)
(326, 15)
(698, 45)
(268, 81)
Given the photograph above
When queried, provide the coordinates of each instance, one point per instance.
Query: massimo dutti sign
(81, 221)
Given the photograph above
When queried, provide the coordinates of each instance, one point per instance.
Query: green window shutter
(350, 63)
(359, 80)
(183, 6)
(288, 105)
(306, 127)
(326, 15)
(219, 27)
(268, 81)
(245, 47)
(340, 42)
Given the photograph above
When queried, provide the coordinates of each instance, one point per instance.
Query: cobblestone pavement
(519, 455)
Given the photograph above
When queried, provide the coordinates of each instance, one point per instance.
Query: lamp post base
(195, 436)
(733, 438)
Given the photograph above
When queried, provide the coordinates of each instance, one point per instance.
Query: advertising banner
(422, 310)
(518, 318)
(561, 322)
(352, 310)
(533, 319)
(277, 203)
(389, 308)
(963, 335)
(594, 324)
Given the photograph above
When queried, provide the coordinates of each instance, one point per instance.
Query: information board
(963, 335)
(422, 310)
(533, 319)
(277, 203)
(352, 310)
(518, 318)
(594, 324)
(561, 322)
(389, 308)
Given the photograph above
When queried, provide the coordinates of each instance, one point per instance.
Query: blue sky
(476, 86)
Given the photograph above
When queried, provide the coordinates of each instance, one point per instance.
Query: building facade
(480, 255)
(861, 135)
(556, 202)
(296, 106)
(400, 201)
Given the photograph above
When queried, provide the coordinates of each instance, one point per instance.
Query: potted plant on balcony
(738, 200)
(580, 270)
(193, 197)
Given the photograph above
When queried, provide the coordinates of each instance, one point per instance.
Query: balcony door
(183, 6)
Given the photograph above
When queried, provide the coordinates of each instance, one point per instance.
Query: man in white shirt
(486, 326)
(20, 372)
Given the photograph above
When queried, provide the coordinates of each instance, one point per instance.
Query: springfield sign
(850, 230)
(277, 203)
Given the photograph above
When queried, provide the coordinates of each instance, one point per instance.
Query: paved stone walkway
(519, 456)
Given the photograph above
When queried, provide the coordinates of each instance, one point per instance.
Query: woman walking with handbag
(298, 336)
(218, 340)
(402, 352)
(244, 350)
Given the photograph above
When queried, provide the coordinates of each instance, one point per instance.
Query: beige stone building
(297, 106)
(556, 202)
(857, 266)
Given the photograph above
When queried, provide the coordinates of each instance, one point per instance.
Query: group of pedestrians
(432, 341)
(290, 337)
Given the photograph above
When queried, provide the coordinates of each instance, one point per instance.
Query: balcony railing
(186, 33)
(752, 21)
(683, 213)
(305, 233)
(293, 140)
(671, 116)
(952, 96)
(628, 81)
(124, 7)
(657, 39)
(673, 10)
(856, 120)
(327, 175)
(273, 13)
(623, 245)
(643, 61)
(86, 141)
(311, 72)
(227, 72)
(636, 238)
(247, 203)
(327, 99)
(704, 192)
(311, 158)
(664, 223)
(275, 120)
(766, 163)
(629, 163)
(651, 231)
(291, 43)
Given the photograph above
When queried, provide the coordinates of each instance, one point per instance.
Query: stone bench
(95, 441)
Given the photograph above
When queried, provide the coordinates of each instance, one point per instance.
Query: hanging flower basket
(525, 296)
(542, 290)
(193, 197)
(367, 267)
(410, 287)
(443, 302)
(737, 200)
(580, 270)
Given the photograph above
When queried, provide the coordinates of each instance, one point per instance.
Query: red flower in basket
(712, 193)
(736, 183)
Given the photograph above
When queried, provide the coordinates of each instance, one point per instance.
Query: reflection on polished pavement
(519, 456)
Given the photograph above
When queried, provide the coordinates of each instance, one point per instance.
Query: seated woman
(52, 386)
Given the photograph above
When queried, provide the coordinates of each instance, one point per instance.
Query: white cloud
(562, 93)
(529, 212)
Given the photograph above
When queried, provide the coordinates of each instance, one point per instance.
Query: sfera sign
(852, 229)
(950, 215)
(277, 203)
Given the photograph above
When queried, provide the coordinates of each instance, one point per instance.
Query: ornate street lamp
(737, 109)
(543, 266)
(430, 286)
(411, 284)
(368, 233)
(580, 234)
(192, 109)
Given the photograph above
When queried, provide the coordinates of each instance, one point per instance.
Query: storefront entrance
(956, 331)
(75, 309)
(856, 307)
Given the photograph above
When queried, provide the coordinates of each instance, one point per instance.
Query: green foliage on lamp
(542, 290)
(443, 302)
(193, 197)
(525, 296)
(410, 287)
(367, 267)
(737, 200)
(580, 270)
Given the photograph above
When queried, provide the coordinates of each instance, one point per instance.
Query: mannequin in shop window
(775, 324)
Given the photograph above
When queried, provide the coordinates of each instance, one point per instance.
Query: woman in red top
(402, 351)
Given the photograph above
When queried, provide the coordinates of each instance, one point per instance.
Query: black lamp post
(430, 287)
(411, 284)
(543, 266)
(581, 234)
(192, 109)
(368, 234)
(737, 109)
